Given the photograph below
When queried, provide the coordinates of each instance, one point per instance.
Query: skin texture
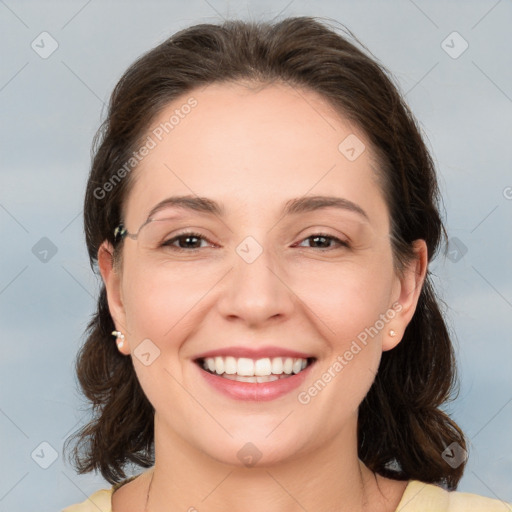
(253, 149)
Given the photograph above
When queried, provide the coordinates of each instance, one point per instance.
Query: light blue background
(50, 109)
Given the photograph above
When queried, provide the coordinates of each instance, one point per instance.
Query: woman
(262, 210)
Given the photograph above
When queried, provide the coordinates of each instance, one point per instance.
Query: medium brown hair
(402, 431)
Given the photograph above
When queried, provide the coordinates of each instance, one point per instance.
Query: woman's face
(258, 277)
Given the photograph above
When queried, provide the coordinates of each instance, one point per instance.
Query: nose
(256, 292)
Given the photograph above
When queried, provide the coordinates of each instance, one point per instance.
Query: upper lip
(253, 353)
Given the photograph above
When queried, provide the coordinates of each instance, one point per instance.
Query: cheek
(161, 300)
(350, 305)
(348, 308)
(161, 305)
(348, 296)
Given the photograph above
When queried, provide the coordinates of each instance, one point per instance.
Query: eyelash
(168, 243)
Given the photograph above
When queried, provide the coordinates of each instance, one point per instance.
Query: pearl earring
(392, 333)
(120, 338)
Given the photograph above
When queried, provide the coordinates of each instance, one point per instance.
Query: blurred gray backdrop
(59, 63)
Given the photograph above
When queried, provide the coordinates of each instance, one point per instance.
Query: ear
(409, 290)
(112, 280)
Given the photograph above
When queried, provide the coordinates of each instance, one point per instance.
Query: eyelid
(169, 241)
(172, 239)
(326, 231)
(340, 240)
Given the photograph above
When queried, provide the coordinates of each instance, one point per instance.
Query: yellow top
(418, 497)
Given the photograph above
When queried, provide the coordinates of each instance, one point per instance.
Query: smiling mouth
(254, 371)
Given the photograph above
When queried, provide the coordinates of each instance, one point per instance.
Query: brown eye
(186, 241)
(323, 241)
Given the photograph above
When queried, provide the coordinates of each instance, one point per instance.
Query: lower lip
(256, 391)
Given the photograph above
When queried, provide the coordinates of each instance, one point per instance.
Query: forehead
(252, 149)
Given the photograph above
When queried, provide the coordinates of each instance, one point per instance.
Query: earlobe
(120, 342)
(411, 284)
(391, 339)
(112, 280)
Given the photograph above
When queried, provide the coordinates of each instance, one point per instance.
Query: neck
(329, 477)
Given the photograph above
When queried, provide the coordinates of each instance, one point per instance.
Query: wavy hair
(402, 431)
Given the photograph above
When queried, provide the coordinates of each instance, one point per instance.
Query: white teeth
(265, 378)
(219, 365)
(277, 366)
(262, 367)
(297, 365)
(230, 365)
(245, 367)
(249, 368)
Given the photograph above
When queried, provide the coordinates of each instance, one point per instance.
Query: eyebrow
(291, 207)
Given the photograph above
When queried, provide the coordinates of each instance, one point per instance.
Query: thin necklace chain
(149, 490)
